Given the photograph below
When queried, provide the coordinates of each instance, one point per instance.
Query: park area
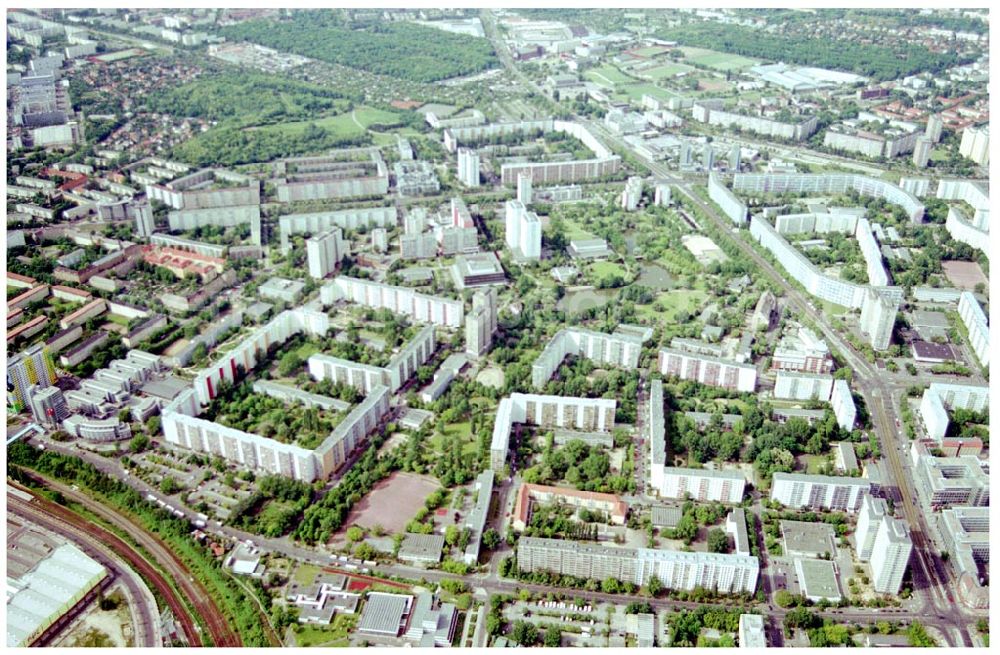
(391, 503)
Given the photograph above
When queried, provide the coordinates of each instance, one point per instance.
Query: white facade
(962, 229)
(873, 511)
(345, 219)
(976, 144)
(702, 485)
(632, 194)
(621, 350)
(523, 230)
(585, 414)
(480, 323)
(878, 316)
(524, 194)
(818, 491)
(675, 569)
(803, 386)
(922, 152)
(418, 306)
(468, 167)
(720, 194)
(843, 405)
(974, 318)
(324, 252)
(940, 396)
(708, 370)
(890, 555)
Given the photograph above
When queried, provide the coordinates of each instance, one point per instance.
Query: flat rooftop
(818, 579)
(805, 538)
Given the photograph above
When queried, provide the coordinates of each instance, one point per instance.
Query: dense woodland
(875, 61)
(404, 50)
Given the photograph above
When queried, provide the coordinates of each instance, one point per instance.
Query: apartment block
(620, 350)
(711, 371)
(324, 252)
(843, 405)
(401, 300)
(702, 485)
(890, 555)
(675, 569)
(974, 318)
(818, 491)
(803, 386)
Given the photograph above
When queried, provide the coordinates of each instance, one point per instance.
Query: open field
(664, 70)
(342, 125)
(391, 503)
(717, 60)
(964, 275)
(636, 91)
(607, 75)
(602, 269)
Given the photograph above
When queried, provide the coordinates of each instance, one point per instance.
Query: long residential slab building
(819, 491)
(722, 573)
(621, 350)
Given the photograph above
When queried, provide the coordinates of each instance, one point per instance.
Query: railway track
(46, 510)
(218, 628)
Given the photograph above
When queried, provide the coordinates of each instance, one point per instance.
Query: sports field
(607, 76)
(391, 503)
(663, 71)
(718, 60)
(636, 91)
(343, 125)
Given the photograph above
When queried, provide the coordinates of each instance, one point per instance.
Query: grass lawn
(574, 231)
(120, 320)
(718, 60)
(666, 70)
(306, 573)
(672, 301)
(650, 51)
(307, 349)
(463, 430)
(334, 634)
(607, 75)
(813, 463)
(342, 125)
(602, 269)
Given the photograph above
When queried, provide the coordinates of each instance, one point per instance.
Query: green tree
(138, 443)
(718, 541)
(524, 633)
(552, 638)
(354, 534)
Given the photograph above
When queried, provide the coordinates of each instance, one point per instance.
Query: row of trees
(404, 50)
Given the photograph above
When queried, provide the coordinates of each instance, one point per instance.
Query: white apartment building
(675, 569)
(974, 318)
(950, 481)
(324, 252)
(797, 131)
(524, 195)
(803, 386)
(418, 246)
(620, 350)
(468, 167)
(481, 323)
(873, 511)
(827, 183)
(364, 377)
(976, 144)
(401, 300)
(922, 152)
(584, 414)
(712, 371)
(843, 405)
(632, 194)
(878, 316)
(523, 230)
(144, 224)
(720, 194)
(962, 229)
(941, 396)
(890, 555)
(702, 485)
(818, 491)
(345, 219)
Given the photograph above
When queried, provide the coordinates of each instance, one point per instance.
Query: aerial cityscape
(487, 328)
